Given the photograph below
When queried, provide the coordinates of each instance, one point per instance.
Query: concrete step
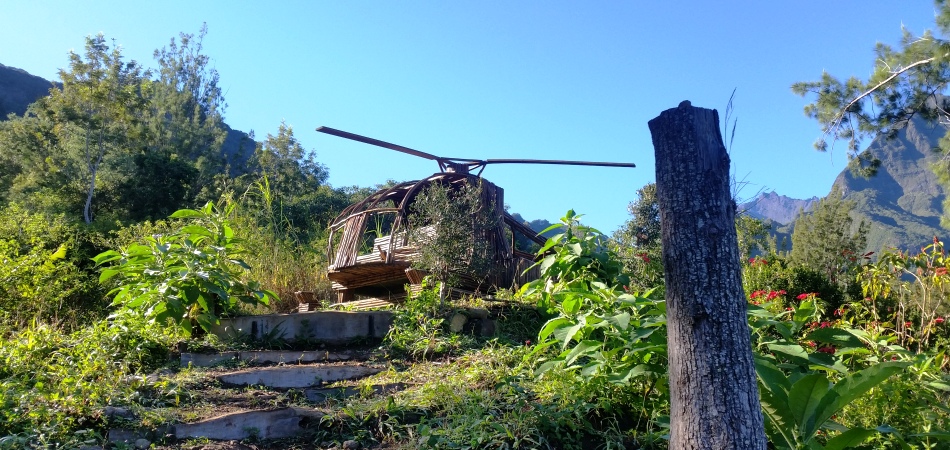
(265, 357)
(274, 424)
(319, 395)
(287, 377)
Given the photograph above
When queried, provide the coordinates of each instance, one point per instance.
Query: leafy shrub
(460, 218)
(42, 276)
(418, 330)
(912, 292)
(191, 276)
(773, 273)
(601, 334)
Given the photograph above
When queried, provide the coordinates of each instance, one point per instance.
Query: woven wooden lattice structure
(378, 261)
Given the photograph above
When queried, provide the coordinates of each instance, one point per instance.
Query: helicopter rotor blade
(563, 163)
(377, 142)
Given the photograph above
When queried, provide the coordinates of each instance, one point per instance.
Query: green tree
(95, 117)
(827, 240)
(753, 235)
(450, 226)
(638, 241)
(906, 82)
(296, 179)
(642, 229)
(114, 139)
(187, 113)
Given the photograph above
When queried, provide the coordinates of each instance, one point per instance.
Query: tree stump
(714, 396)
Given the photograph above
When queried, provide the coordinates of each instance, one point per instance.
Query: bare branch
(878, 86)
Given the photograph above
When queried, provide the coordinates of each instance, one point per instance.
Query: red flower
(802, 296)
(838, 312)
(939, 320)
(828, 349)
(941, 271)
(527, 343)
(789, 308)
(825, 324)
(644, 257)
(907, 324)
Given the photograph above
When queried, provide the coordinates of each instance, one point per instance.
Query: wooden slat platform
(364, 304)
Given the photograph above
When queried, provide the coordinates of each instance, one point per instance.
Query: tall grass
(283, 258)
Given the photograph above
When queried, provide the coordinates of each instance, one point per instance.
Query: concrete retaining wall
(331, 327)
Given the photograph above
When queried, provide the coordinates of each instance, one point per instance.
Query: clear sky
(503, 79)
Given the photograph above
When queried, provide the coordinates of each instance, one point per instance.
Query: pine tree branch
(887, 80)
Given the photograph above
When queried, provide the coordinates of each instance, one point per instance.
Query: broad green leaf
(856, 385)
(804, 399)
(106, 256)
(552, 325)
(241, 263)
(896, 434)
(185, 327)
(805, 311)
(206, 321)
(583, 348)
(638, 334)
(547, 262)
(939, 385)
(629, 373)
(566, 334)
(777, 413)
(590, 369)
(826, 362)
(60, 253)
(840, 338)
(186, 214)
(197, 229)
(548, 365)
(266, 296)
(850, 438)
(107, 274)
(939, 435)
(772, 378)
(793, 353)
(572, 305)
(621, 321)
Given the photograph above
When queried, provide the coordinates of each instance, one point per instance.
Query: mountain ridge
(779, 208)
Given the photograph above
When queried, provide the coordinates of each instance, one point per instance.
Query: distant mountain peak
(779, 208)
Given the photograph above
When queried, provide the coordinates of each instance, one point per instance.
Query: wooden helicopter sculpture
(377, 262)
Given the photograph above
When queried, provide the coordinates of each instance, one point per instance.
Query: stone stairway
(266, 395)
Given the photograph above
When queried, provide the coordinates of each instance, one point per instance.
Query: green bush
(43, 275)
(190, 277)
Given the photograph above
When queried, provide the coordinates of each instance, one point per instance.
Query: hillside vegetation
(128, 229)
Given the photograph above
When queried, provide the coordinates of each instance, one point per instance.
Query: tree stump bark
(714, 396)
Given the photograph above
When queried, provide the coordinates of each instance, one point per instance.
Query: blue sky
(503, 79)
